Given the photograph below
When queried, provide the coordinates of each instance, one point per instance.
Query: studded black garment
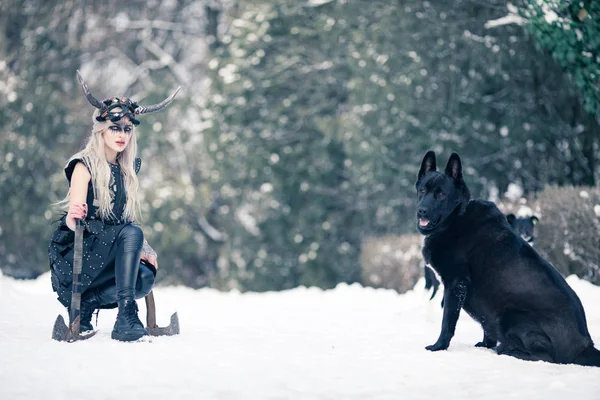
(98, 238)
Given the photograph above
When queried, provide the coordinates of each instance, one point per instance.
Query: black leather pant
(128, 279)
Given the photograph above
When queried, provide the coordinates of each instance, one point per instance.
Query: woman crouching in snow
(118, 264)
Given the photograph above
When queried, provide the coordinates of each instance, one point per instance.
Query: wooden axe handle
(75, 313)
(150, 311)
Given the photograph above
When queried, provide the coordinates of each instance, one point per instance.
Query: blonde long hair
(95, 158)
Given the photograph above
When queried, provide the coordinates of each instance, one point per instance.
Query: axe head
(172, 329)
(63, 333)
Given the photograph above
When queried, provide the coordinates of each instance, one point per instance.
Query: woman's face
(117, 134)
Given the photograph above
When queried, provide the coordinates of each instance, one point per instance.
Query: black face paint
(121, 126)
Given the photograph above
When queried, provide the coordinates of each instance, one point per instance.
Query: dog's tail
(590, 357)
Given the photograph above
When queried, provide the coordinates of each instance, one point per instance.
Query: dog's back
(523, 226)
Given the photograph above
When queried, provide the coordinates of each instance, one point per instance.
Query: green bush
(568, 234)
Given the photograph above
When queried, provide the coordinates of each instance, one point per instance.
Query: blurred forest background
(291, 152)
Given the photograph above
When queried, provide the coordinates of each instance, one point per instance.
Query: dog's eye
(422, 191)
(441, 194)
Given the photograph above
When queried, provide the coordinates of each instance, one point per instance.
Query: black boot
(85, 321)
(128, 326)
(89, 304)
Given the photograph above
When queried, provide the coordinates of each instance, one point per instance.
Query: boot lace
(131, 314)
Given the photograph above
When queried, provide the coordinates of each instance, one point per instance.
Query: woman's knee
(145, 281)
(133, 231)
(132, 237)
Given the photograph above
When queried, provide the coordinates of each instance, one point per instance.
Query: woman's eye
(114, 128)
(128, 129)
(442, 194)
(422, 191)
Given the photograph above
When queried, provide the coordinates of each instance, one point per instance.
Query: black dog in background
(525, 307)
(524, 226)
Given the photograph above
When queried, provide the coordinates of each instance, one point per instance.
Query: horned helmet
(115, 108)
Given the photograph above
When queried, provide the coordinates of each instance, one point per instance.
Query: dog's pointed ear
(534, 219)
(510, 218)
(427, 165)
(454, 167)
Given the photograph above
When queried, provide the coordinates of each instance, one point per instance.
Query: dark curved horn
(93, 101)
(156, 107)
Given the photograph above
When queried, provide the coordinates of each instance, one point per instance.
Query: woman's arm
(77, 199)
(149, 254)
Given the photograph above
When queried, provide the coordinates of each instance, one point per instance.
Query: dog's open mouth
(426, 224)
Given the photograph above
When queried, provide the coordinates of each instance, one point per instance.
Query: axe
(61, 331)
(155, 330)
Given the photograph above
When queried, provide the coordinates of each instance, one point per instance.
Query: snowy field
(347, 343)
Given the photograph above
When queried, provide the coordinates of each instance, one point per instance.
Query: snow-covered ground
(347, 343)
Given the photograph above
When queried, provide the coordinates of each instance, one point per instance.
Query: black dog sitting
(524, 226)
(525, 307)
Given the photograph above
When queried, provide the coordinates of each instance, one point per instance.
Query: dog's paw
(437, 346)
(487, 345)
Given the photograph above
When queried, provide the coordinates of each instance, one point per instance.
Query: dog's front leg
(454, 298)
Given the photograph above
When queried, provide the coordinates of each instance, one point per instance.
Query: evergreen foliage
(301, 124)
(321, 111)
(570, 32)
